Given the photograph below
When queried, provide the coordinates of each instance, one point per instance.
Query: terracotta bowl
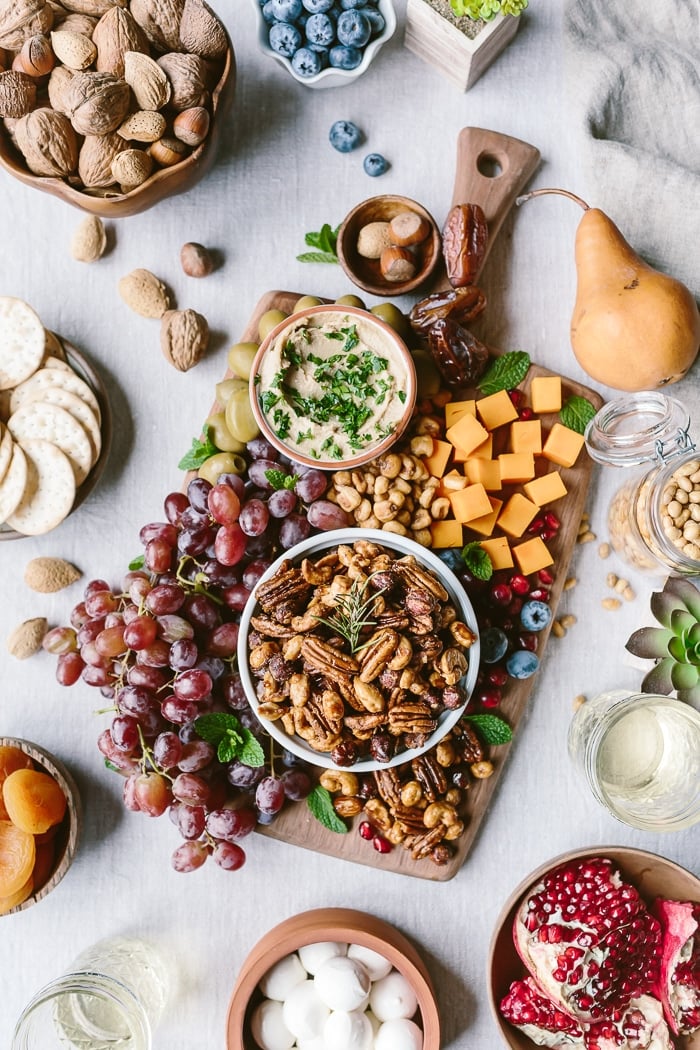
(87, 372)
(365, 273)
(67, 833)
(164, 182)
(652, 875)
(382, 331)
(329, 924)
(401, 546)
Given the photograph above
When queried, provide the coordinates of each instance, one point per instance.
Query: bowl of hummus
(333, 387)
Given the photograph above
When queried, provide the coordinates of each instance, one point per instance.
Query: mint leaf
(279, 480)
(224, 732)
(321, 805)
(576, 413)
(325, 240)
(505, 372)
(200, 451)
(477, 560)
(318, 257)
(137, 563)
(491, 728)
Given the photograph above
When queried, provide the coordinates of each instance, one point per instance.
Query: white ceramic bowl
(401, 545)
(330, 76)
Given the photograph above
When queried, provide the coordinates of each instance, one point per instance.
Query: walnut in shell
(20, 19)
(160, 21)
(144, 293)
(97, 102)
(17, 94)
(92, 7)
(48, 143)
(58, 85)
(188, 77)
(201, 32)
(116, 33)
(148, 82)
(95, 159)
(184, 338)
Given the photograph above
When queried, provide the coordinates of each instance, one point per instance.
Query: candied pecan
(409, 817)
(430, 775)
(411, 716)
(324, 657)
(362, 726)
(412, 575)
(469, 744)
(376, 653)
(397, 620)
(388, 785)
(264, 625)
(286, 586)
(422, 845)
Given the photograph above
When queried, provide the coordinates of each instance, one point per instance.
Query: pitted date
(459, 304)
(464, 239)
(459, 356)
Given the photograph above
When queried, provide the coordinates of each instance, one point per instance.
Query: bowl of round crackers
(55, 425)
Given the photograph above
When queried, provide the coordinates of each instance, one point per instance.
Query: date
(459, 304)
(464, 239)
(459, 356)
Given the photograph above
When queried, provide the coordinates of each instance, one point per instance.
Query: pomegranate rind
(539, 1018)
(680, 998)
(642, 1025)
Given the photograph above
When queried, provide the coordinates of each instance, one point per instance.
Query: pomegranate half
(679, 979)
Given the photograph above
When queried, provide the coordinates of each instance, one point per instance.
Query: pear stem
(540, 193)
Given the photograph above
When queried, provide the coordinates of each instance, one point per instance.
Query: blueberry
(451, 557)
(306, 63)
(353, 29)
(375, 19)
(374, 164)
(286, 10)
(494, 645)
(348, 5)
(284, 39)
(320, 30)
(522, 664)
(267, 12)
(535, 616)
(345, 57)
(322, 53)
(344, 136)
(315, 7)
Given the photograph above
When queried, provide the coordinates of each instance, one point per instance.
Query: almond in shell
(144, 293)
(26, 639)
(146, 125)
(73, 49)
(48, 575)
(148, 82)
(89, 240)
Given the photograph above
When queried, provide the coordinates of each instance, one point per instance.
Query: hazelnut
(408, 228)
(168, 151)
(196, 260)
(36, 58)
(373, 239)
(397, 264)
(192, 125)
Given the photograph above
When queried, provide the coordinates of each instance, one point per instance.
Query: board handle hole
(489, 166)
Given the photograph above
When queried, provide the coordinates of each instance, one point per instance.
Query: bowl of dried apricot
(40, 817)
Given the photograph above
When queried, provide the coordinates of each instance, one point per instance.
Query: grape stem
(195, 586)
(148, 759)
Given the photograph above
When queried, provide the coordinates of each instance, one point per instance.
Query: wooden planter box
(455, 55)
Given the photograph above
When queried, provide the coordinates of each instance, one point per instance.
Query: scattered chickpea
(628, 594)
(621, 585)
(578, 701)
(604, 550)
(611, 603)
(567, 621)
(586, 537)
(570, 582)
(611, 579)
(558, 629)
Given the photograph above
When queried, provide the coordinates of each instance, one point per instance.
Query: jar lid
(644, 427)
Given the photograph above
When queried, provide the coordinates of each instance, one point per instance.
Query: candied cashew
(340, 780)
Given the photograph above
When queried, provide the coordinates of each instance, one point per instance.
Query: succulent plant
(675, 645)
(487, 9)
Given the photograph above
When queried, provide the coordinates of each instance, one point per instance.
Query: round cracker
(56, 362)
(14, 483)
(6, 443)
(38, 419)
(81, 412)
(53, 347)
(49, 492)
(22, 341)
(33, 388)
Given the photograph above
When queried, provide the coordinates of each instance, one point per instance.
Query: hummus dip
(332, 385)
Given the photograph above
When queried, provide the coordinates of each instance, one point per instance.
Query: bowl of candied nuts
(358, 648)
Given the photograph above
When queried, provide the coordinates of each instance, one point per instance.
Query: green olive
(392, 316)
(428, 380)
(221, 435)
(226, 387)
(221, 463)
(240, 358)
(306, 302)
(351, 300)
(269, 320)
(239, 417)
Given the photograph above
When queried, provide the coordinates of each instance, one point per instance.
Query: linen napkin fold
(633, 84)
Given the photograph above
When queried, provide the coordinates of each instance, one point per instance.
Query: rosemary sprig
(352, 615)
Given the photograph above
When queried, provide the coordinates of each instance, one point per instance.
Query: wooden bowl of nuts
(40, 822)
(358, 648)
(617, 887)
(350, 977)
(389, 245)
(114, 111)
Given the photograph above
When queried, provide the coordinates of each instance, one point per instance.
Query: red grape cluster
(163, 648)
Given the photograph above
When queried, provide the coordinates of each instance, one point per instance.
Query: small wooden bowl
(164, 182)
(329, 924)
(365, 273)
(68, 832)
(652, 875)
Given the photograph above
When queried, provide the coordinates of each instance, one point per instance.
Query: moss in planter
(469, 26)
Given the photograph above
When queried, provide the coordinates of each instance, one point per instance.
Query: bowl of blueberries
(324, 43)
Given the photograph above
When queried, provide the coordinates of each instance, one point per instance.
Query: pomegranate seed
(515, 607)
(497, 676)
(547, 534)
(489, 697)
(381, 845)
(551, 520)
(519, 583)
(526, 413)
(528, 640)
(517, 397)
(539, 594)
(545, 577)
(536, 524)
(366, 830)
(501, 594)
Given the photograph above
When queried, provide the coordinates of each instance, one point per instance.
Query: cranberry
(519, 583)
(551, 520)
(381, 845)
(528, 640)
(527, 413)
(490, 697)
(539, 594)
(501, 594)
(545, 577)
(366, 830)
(497, 676)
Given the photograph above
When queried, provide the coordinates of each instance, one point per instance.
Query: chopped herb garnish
(282, 423)
(269, 400)
(401, 394)
(292, 354)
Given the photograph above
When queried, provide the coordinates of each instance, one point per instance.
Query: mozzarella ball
(282, 977)
(343, 984)
(392, 997)
(399, 1034)
(348, 1030)
(314, 955)
(374, 963)
(268, 1028)
(304, 1012)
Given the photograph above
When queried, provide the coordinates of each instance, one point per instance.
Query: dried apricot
(17, 855)
(33, 800)
(8, 903)
(11, 758)
(44, 862)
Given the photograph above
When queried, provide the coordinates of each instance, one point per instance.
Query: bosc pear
(632, 327)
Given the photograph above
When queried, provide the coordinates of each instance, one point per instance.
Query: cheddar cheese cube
(485, 525)
(482, 451)
(467, 434)
(517, 515)
(516, 466)
(526, 436)
(532, 556)
(437, 461)
(498, 550)
(496, 410)
(562, 446)
(486, 472)
(446, 533)
(545, 489)
(454, 410)
(470, 503)
(545, 394)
